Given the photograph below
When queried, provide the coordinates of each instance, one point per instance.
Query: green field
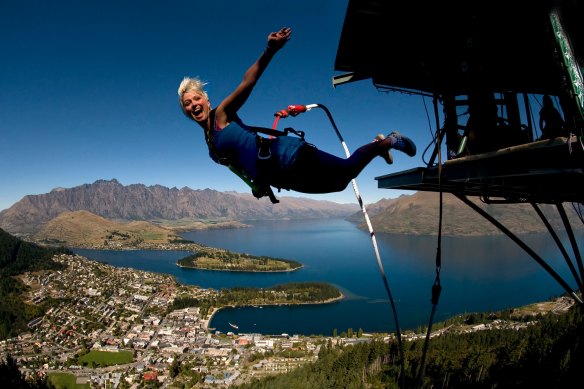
(146, 235)
(105, 358)
(65, 381)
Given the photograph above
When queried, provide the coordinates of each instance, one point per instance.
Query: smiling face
(196, 105)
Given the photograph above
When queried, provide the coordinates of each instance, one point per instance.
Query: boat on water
(233, 325)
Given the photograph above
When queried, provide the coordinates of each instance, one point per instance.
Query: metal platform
(547, 171)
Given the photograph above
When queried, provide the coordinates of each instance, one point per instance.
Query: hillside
(18, 257)
(85, 229)
(112, 200)
(542, 351)
(419, 214)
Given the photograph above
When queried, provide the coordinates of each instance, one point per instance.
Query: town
(114, 327)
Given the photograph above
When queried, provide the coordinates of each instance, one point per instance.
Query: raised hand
(277, 40)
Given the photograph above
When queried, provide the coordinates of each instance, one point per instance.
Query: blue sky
(88, 91)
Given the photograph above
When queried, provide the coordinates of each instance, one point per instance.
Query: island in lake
(220, 259)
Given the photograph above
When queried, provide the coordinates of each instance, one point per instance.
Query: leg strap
(265, 168)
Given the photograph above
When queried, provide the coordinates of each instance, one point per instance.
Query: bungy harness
(260, 186)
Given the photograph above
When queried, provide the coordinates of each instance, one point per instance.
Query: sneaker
(403, 143)
(385, 154)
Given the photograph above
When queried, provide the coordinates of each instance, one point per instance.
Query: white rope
(372, 233)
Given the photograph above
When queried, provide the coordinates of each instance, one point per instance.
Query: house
(150, 376)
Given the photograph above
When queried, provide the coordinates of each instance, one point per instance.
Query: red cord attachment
(296, 109)
(281, 113)
(284, 113)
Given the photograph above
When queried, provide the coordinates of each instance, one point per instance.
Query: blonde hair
(189, 84)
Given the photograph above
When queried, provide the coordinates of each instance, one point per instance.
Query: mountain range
(112, 200)
(183, 209)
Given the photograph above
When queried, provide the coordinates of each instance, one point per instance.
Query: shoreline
(207, 321)
(240, 271)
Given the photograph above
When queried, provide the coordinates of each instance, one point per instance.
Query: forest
(17, 257)
(548, 354)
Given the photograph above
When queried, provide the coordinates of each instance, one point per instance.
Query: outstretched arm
(227, 109)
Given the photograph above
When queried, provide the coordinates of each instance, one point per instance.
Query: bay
(477, 274)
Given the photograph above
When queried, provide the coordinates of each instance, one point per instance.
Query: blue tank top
(237, 143)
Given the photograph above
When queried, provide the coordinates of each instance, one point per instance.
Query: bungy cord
(373, 239)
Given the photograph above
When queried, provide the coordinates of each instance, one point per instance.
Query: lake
(478, 274)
